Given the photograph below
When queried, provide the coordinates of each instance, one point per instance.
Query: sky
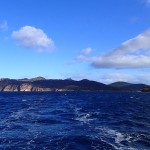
(101, 40)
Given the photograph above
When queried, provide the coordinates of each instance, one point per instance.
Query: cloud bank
(133, 53)
(34, 38)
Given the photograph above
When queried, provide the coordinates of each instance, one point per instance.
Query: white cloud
(121, 62)
(133, 53)
(4, 26)
(87, 51)
(31, 37)
(82, 57)
(140, 42)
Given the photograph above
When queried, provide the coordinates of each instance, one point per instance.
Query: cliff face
(38, 89)
(25, 87)
(146, 89)
(11, 88)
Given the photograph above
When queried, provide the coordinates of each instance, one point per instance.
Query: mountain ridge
(40, 84)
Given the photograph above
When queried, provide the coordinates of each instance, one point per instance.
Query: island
(40, 84)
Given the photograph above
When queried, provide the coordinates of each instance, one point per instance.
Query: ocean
(75, 121)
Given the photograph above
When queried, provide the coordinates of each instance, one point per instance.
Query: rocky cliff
(146, 89)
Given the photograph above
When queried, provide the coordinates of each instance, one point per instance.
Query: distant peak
(38, 78)
(84, 80)
(69, 79)
(2, 79)
(120, 84)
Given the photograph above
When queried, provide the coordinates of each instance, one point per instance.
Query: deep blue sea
(75, 121)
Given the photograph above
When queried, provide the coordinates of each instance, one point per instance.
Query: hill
(42, 84)
(125, 86)
(134, 87)
(120, 84)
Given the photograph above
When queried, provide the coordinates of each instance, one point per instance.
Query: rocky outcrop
(8, 88)
(26, 87)
(146, 89)
(38, 89)
(31, 88)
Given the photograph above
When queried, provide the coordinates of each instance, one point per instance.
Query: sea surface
(75, 121)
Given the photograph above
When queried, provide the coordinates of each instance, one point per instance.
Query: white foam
(84, 118)
(117, 136)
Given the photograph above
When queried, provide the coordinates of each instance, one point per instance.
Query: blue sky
(102, 40)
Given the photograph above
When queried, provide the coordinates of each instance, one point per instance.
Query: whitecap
(24, 100)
